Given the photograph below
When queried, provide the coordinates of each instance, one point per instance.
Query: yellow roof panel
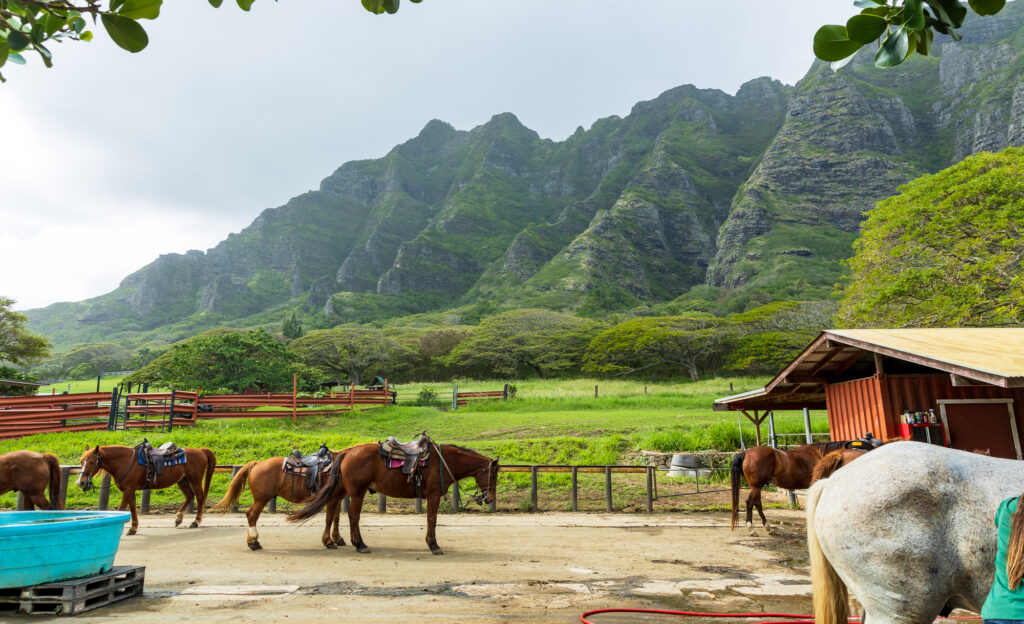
(997, 351)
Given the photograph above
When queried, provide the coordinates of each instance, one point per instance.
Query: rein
(99, 466)
(480, 496)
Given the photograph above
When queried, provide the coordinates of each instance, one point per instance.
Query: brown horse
(122, 463)
(267, 479)
(834, 461)
(762, 465)
(361, 467)
(30, 473)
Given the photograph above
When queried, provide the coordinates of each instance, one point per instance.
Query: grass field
(549, 422)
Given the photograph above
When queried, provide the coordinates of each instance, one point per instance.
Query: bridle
(88, 485)
(481, 495)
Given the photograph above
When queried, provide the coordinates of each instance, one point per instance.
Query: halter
(480, 496)
(99, 466)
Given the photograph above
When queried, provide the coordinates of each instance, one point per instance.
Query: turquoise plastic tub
(47, 546)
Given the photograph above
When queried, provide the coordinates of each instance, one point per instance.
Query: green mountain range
(696, 199)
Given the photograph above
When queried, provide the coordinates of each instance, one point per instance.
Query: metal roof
(992, 356)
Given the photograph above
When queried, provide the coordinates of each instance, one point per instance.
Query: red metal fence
(21, 416)
(462, 398)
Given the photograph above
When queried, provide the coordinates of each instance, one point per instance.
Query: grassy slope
(550, 422)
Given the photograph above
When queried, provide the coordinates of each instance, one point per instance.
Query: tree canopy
(18, 345)
(946, 252)
(351, 353)
(228, 360)
(897, 28)
(545, 342)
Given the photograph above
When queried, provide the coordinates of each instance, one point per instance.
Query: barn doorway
(978, 424)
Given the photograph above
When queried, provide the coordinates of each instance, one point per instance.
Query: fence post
(807, 426)
(595, 391)
(772, 440)
(456, 497)
(504, 393)
(575, 487)
(419, 504)
(792, 500)
(170, 415)
(386, 396)
(112, 419)
(352, 396)
(234, 472)
(650, 488)
(272, 505)
(382, 503)
(608, 488)
(65, 476)
(295, 391)
(20, 505)
(98, 377)
(345, 504)
(105, 492)
(533, 488)
(144, 507)
(455, 398)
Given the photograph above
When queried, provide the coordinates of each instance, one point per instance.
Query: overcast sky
(110, 159)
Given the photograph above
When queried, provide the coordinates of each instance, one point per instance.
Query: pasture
(549, 422)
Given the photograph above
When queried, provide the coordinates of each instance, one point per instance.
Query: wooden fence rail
(532, 469)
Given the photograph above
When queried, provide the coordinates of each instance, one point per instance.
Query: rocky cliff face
(763, 191)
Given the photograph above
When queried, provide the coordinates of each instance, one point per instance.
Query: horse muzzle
(86, 485)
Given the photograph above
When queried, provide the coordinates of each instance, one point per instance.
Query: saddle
(156, 459)
(309, 466)
(867, 443)
(409, 455)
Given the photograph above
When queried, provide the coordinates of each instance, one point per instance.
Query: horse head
(92, 462)
(487, 481)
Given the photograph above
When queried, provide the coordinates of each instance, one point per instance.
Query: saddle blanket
(397, 463)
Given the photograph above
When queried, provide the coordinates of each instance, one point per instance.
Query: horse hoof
(363, 549)
(437, 551)
(177, 523)
(254, 546)
(131, 531)
(194, 525)
(331, 545)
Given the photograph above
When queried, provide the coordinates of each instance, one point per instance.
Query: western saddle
(410, 455)
(309, 466)
(156, 459)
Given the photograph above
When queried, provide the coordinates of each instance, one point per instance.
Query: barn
(962, 387)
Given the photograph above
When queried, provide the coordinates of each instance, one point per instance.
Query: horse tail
(235, 489)
(827, 465)
(830, 593)
(211, 466)
(54, 465)
(319, 500)
(737, 472)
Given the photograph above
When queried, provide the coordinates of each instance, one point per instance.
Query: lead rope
(441, 467)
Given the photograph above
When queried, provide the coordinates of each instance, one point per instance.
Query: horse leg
(197, 487)
(128, 500)
(38, 499)
(332, 539)
(186, 489)
(753, 500)
(355, 508)
(432, 505)
(252, 536)
(764, 521)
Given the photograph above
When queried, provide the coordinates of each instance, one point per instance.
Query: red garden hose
(796, 618)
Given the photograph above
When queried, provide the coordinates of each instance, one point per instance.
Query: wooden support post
(170, 414)
(419, 505)
(234, 472)
(20, 504)
(772, 439)
(345, 504)
(575, 487)
(456, 497)
(295, 391)
(104, 492)
(65, 476)
(272, 505)
(879, 365)
(493, 505)
(144, 507)
(792, 500)
(533, 488)
(595, 391)
(807, 426)
(650, 488)
(382, 503)
(386, 395)
(504, 393)
(608, 488)
(757, 420)
(98, 378)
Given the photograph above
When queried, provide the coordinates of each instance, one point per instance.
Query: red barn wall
(856, 407)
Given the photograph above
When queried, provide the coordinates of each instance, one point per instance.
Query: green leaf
(17, 40)
(894, 49)
(914, 15)
(16, 58)
(837, 65)
(864, 4)
(216, 3)
(987, 7)
(4, 51)
(141, 9)
(125, 32)
(832, 43)
(924, 41)
(865, 28)
(373, 6)
(86, 35)
(245, 5)
(391, 6)
(951, 12)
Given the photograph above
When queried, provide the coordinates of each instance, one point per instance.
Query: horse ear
(86, 448)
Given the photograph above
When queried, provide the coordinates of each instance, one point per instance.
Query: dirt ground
(539, 568)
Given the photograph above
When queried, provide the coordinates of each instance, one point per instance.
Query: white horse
(909, 529)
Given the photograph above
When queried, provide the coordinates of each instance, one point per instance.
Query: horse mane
(828, 447)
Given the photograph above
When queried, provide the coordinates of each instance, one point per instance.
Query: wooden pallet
(75, 596)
